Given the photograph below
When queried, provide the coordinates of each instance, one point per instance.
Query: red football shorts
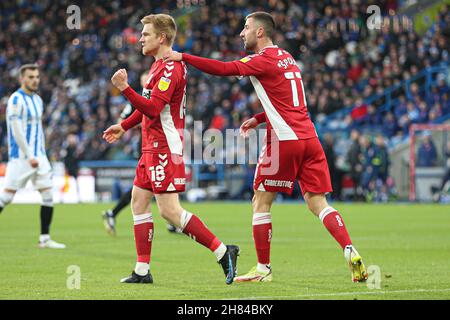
(283, 162)
(160, 173)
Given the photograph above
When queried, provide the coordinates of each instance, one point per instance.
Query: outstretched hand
(113, 133)
(173, 56)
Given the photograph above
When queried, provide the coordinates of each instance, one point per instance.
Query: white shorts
(19, 171)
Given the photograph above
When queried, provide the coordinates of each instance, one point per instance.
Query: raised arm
(252, 65)
(150, 107)
(212, 66)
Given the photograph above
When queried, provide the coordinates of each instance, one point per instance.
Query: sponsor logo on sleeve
(146, 93)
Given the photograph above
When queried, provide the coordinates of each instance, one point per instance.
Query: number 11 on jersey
(291, 76)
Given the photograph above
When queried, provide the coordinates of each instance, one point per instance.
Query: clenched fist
(120, 79)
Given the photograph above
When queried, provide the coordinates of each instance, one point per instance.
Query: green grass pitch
(409, 243)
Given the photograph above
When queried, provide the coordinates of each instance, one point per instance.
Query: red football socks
(334, 223)
(262, 235)
(143, 236)
(197, 230)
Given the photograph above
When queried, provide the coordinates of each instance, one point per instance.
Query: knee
(165, 212)
(312, 207)
(316, 203)
(169, 213)
(47, 197)
(254, 203)
(259, 205)
(138, 205)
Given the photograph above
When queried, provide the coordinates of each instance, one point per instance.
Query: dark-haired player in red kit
(292, 152)
(160, 171)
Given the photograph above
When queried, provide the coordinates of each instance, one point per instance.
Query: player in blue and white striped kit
(26, 144)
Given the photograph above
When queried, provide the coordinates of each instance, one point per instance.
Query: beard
(249, 46)
(31, 89)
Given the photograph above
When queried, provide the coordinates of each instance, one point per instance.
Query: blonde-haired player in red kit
(278, 83)
(160, 171)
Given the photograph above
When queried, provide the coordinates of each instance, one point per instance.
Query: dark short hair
(266, 20)
(29, 66)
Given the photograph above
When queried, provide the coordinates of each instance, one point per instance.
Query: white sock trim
(44, 238)
(220, 251)
(326, 211)
(348, 250)
(142, 218)
(262, 218)
(141, 268)
(184, 219)
(263, 267)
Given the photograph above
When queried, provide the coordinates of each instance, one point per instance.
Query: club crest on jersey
(164, 83)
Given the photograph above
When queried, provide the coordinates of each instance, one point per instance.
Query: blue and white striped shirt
(26, 111)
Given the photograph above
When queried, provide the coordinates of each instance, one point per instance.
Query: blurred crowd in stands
(342, 62)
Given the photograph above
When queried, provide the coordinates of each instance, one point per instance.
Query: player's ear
(162, 38)
(260, 32)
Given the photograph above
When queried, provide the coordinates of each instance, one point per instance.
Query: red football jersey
(278, 83)
(166, 81)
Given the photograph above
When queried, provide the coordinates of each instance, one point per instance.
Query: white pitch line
(375, 291)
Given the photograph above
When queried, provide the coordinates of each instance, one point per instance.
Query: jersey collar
(267, 47)
(23, 92)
